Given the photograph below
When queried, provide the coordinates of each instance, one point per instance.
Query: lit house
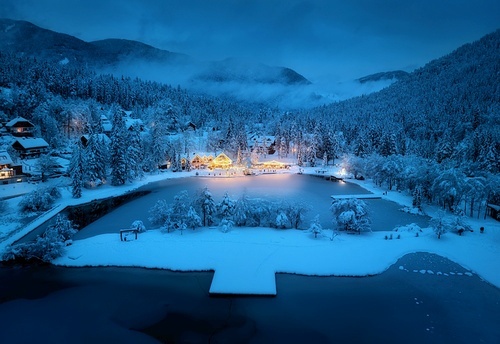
(20, 127)
(221, 161)
(30, 147)
(201, 161)
(9, 173)
(271, 165)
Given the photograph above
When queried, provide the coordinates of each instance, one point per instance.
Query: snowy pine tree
(315, 226)
(417, 197)
(226, 207)
(95, 160)
(135, 153)
(241, 209)
(206, 203)
(77, 170)
(281, 220)
(119, 150)
(193, 220)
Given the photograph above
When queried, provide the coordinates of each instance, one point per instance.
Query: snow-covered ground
(245, 260)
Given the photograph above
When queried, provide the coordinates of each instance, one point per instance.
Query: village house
(9, 172)
(262, 144)
(493, 210)
(107, 126)
(221, 161)
(20, 127)
(201, 161)
(28, 147)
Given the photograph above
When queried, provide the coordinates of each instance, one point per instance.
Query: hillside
(125, 57)
(448, 109)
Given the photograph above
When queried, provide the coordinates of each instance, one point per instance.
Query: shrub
(46, 247)
(138, 225)
(40, 199)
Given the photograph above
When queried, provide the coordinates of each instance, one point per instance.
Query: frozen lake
(315, 191)
(422, 298)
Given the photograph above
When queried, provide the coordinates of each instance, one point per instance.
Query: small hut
(493, 210)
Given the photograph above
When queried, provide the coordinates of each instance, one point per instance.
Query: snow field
(246, 259)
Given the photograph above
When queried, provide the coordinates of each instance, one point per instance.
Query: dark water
(130, 305)
(314, 191)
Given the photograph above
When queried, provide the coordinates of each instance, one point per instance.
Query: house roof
(129, 122)
(222, 159)
(5, 158)
(272, 162)
(30, 143)
(19, 122)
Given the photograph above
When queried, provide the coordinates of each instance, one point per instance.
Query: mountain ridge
(23, 37)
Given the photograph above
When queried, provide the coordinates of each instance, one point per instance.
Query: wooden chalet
(20, 127)
(271, 165)
(9, 172)
(493, 210)
(201, 161)
(30, 147)
(221, 161)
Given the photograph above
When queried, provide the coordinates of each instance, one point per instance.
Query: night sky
(335, 39)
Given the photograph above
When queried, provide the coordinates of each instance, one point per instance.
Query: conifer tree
(77, 170)
(119, 147)
(95, 160)
(207, 205)
(135, 153)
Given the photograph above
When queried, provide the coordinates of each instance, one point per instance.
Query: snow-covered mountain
(132, 57)
(384, 76)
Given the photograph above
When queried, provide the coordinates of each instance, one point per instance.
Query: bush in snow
(138, 225)
(281, 220)
(441, 224)
(46, 247)
(40, 199)
(350, 214)
(315, 226)
(411, 228)
(226, 225)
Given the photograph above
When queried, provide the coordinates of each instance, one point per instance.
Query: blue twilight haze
(339, 40)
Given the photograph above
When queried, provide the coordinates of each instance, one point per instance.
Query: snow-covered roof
(131, 121)
(32, 142)
(5, 158)
(494, 206)
(12, 123)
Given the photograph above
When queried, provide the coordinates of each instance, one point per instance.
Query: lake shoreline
(165, 306)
